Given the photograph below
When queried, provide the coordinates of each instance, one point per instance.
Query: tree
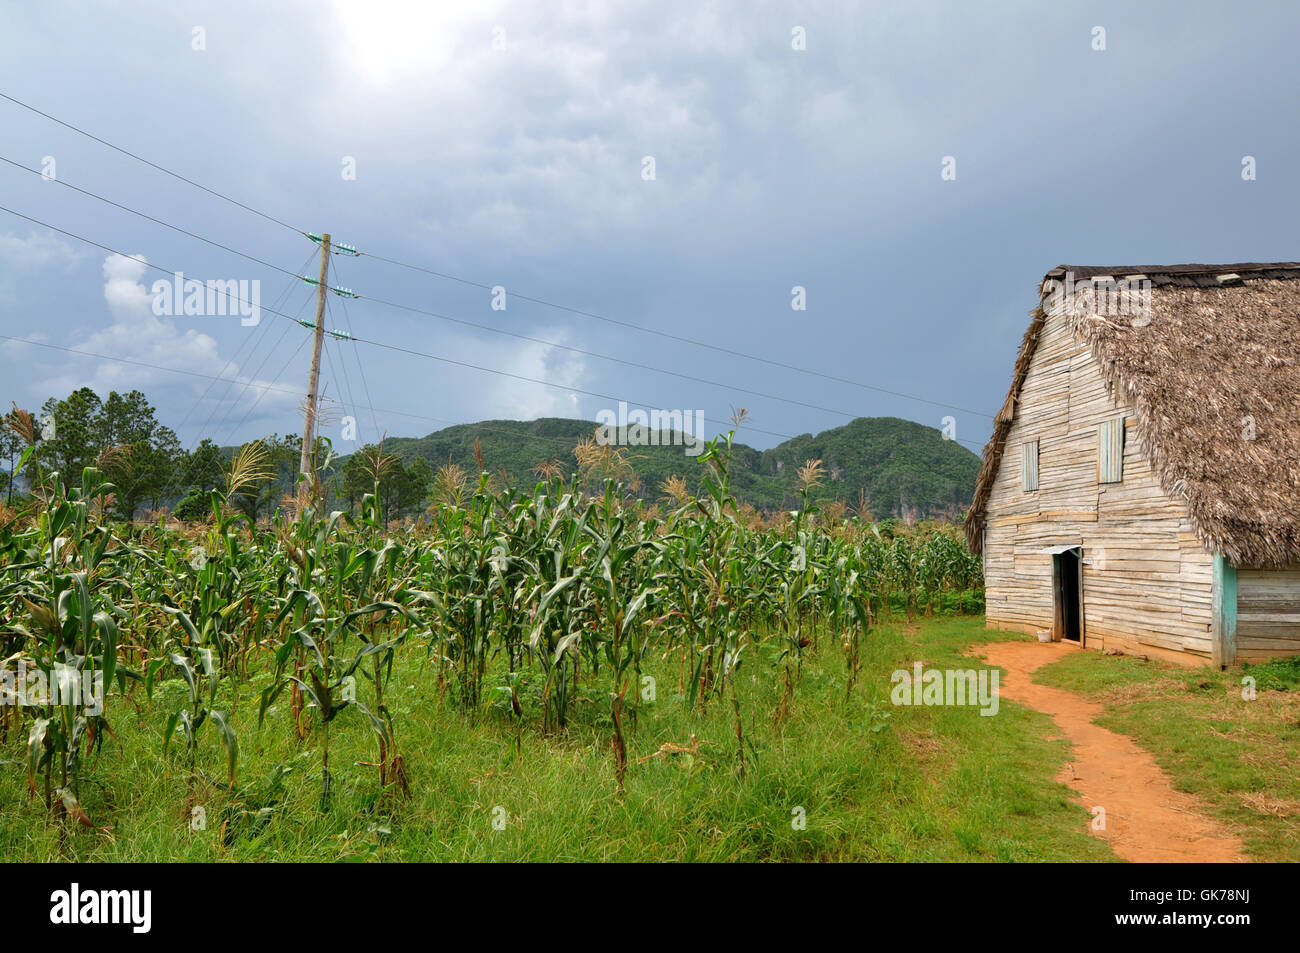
(73, 442)
(11, 446)
(412, 487)
(401, 487)
(202, 467)
(355, 477)
(194, 507)
(121, 436)
(198, 473)
(139, 455)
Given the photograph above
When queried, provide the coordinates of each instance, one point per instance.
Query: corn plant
(571, 586)
(71, 643)
(326, 610)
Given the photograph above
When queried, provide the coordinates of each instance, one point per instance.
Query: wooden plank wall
(1268, 613)
(1146, 578)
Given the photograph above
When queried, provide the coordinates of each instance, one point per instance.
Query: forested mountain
(882, 466)
(890, 463)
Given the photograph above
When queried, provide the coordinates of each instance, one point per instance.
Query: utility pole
(305, 465)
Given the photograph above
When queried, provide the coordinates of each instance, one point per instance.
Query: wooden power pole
(305, 465)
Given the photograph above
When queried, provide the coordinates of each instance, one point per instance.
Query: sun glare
(384, 39)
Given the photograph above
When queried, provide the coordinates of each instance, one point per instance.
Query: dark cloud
(522, 166)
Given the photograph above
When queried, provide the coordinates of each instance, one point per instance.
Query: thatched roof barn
(1141, 489)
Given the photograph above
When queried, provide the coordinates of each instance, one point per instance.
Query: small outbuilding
(1141, 489)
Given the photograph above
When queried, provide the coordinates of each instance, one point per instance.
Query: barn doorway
(1067, 583)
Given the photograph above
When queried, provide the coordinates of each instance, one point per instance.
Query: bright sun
(384, 39)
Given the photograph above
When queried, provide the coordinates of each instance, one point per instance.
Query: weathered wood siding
(1146, 578)
(1268, 613)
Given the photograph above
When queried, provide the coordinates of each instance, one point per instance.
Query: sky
(914, 168)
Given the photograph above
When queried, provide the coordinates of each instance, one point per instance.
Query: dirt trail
(1146, 819)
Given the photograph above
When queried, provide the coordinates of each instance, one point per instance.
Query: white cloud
(37, 250)
(137, 334)
(524, 400)
(467, 394)
(123, 290)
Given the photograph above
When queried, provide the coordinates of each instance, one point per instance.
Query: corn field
(303, 618)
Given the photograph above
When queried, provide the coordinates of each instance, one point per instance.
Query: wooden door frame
(1083, 627)
(1058, 604)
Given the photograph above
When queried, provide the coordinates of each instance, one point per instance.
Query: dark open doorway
(1067, 572)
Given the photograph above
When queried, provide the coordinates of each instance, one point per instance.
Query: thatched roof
(1221, 349)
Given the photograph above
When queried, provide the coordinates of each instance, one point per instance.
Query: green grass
(1238, 756)
(876, 782)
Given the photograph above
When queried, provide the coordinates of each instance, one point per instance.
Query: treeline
(881, 466)
(873, 468)
(121, 437)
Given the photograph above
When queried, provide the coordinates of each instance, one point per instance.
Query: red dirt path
(1146, 819)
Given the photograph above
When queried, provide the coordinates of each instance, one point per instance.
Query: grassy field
(1238, 756)
(874, 781)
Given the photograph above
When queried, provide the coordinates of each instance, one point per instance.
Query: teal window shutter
(1110, 451)
(1029, 466)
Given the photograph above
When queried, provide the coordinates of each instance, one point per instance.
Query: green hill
(896, 463)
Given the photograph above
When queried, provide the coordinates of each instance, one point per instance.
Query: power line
(120, 254)
(536, 380)
(153, 165)
(243, 390)
(266, 356)
(264, 387)
(475, 426)
(461, 321)
(156, 221)
(540, 301)
(392, 347)
(252, 340)
(679, 338)
(127, 360)
(523, 337)
(356, 356)
(346, 387)
(258, 399)
(473, 324)
(619, 360)
(380, 344)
